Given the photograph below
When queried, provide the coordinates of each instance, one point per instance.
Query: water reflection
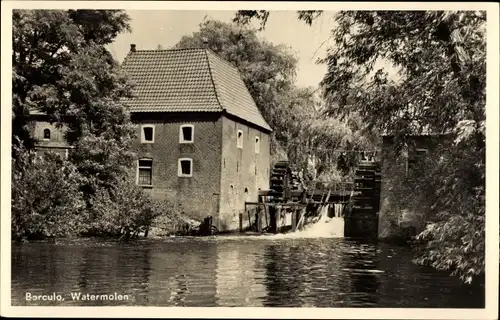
(238, 271)
(361, 262)
(319, 275)
(185, 274)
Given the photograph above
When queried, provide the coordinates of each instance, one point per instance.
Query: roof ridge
(222, 59)
(173, 49)
(212, 79)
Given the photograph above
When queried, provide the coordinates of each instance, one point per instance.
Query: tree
(62, 69)
(440, 88)
(440, 57)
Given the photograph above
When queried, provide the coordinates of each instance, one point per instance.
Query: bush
(454, 239)
(125, 210)
(46, 201)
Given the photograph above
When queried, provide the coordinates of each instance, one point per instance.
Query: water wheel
(280, 182)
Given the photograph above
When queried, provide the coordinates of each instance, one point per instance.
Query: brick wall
(199, 194)
(56, 143)
(244, 171)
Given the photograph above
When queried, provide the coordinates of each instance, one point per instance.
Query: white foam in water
(325, 227)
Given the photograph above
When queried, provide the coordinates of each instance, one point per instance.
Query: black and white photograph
(330, 162)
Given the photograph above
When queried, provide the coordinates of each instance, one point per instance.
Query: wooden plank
(249, 219)
(276, 204)
(364, 172)
(363, 180)
(294, 220)
(302, 214)
(277, 219)
(259, 221)
(274, 193)
(328, 195)
(363, 189)
(265, 211)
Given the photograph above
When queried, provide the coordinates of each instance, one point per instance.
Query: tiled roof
(188, 80)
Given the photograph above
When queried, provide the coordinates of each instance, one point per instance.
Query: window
(186, 134)
(257, 145)
(148, 134)
(239, 140)
(46, 134)
(145, 172)
(185, 167)
(415, 158)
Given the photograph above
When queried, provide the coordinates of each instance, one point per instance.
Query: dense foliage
(294, 113)
(125, 211)
(46, 201)
(439, 88)
(62, 70)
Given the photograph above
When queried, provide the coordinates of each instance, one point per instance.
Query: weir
(346, 209)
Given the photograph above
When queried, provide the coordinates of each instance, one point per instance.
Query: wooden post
(265, 211)
(277, 219)
(294, 220)
(249, 218)
(241, 221)
(259, 220)
(272, 218)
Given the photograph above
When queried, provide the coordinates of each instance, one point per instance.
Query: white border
(181, 134)
(179, 168)
(143, 136)
(492, 169)
(137, 172)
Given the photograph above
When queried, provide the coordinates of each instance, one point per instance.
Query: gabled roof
(188, 80)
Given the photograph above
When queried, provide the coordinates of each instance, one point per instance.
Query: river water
(242, 271)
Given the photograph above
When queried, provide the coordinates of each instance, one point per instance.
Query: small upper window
(239, 141)
(186, 134)
(148, 134)
(46, 134)
(185, 167)
(257, 145)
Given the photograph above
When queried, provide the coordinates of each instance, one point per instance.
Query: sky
(166, 28)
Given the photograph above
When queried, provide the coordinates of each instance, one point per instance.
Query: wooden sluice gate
(287, 207)
(362, 220)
